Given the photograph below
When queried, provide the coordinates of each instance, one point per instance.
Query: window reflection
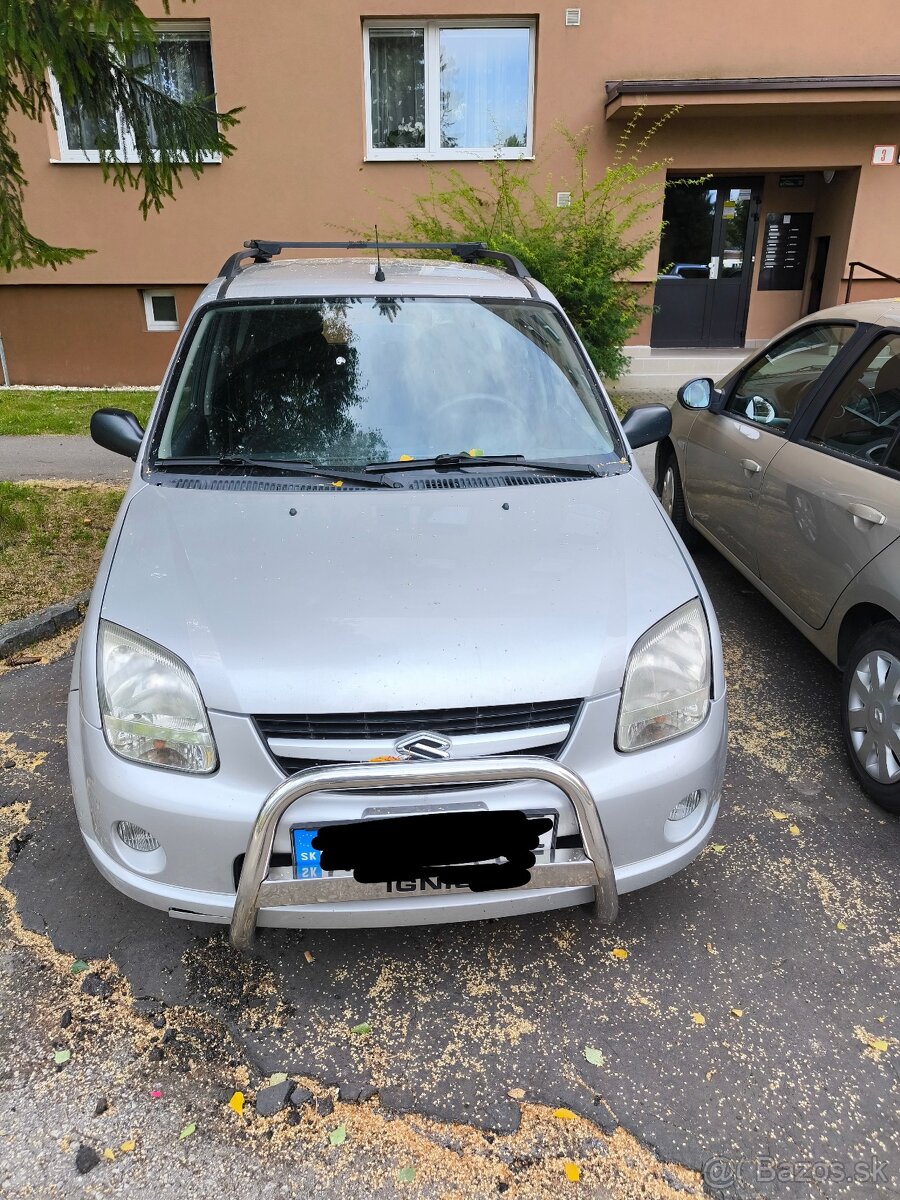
(351, 381)
(685, 248)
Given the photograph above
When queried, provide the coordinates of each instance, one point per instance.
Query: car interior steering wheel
(474, 399)
(864, 403)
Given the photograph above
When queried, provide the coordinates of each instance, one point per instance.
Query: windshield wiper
(451, 462)
(285, 465)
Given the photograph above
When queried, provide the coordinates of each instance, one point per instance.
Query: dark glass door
(817, 279)
(706, 263)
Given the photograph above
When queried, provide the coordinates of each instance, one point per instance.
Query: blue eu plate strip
(307, 861)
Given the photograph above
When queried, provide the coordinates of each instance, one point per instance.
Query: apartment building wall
(301, 169)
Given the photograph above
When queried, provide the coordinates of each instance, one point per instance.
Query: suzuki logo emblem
(426, 744)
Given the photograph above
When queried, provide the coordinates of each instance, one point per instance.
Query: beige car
(790, 467)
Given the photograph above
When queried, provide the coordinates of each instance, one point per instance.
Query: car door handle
(862, 512)
(750, 466)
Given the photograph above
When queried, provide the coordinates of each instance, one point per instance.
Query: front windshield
(350, 382)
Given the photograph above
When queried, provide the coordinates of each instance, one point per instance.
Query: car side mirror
(697, 393)
(647, 424)
(118, 430)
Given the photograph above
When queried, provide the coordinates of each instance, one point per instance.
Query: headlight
(150, 704)
(666, 689)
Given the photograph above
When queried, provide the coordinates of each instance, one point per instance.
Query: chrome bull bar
(256, 891)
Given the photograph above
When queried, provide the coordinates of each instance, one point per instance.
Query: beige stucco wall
(832, 205)
(770, 311)
(85, 334)
(300, 169)
(835, 214)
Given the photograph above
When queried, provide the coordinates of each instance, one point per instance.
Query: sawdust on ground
(46, 651)
(109, 1036)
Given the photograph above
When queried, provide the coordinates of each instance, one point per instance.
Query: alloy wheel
(667, 494)
(873, 715)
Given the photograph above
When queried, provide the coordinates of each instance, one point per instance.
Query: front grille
(387, 726)
(290, 765)
(492, 718)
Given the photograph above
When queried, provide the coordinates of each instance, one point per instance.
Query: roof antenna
(379, 274)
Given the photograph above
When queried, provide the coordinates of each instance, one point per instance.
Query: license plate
(308, 860)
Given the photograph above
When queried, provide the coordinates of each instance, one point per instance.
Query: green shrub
(588, 253)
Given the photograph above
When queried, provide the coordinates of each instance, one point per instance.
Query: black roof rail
(262, 251)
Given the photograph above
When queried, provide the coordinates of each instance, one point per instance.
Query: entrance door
(817, 279)
(706, 262)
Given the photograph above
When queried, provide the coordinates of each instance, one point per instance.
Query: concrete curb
(16, 635)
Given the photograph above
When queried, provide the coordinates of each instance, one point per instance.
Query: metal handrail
(866, 267)
(255, 890)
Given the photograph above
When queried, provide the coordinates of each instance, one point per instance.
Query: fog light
(136, 838)
(685, 807)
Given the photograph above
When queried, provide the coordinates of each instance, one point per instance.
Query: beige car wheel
(870, 713)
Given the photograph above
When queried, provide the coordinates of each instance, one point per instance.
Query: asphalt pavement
(751, 1033)
(60, 457)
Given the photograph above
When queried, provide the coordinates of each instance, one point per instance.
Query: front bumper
(204, 823)
(256, 890)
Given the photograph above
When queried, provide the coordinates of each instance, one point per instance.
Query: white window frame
(433, 151)
(127, 151)
(154, 326)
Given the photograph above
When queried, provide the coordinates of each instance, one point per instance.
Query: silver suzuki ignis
(390, 629)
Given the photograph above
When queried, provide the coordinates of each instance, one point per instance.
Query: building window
(160, 311)
(449, 89)
(183, 69)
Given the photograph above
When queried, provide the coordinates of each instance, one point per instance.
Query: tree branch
(90, 47)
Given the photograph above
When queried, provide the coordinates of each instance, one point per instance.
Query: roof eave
(795, 94)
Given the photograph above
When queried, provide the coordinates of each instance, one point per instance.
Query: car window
(863, 414)
(686, 271)
(773, 387)
(348, 381)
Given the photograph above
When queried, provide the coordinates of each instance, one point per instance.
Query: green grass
(16, 507)
(46, 410)
(51, 538)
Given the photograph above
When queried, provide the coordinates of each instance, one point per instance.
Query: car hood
(326, 601)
